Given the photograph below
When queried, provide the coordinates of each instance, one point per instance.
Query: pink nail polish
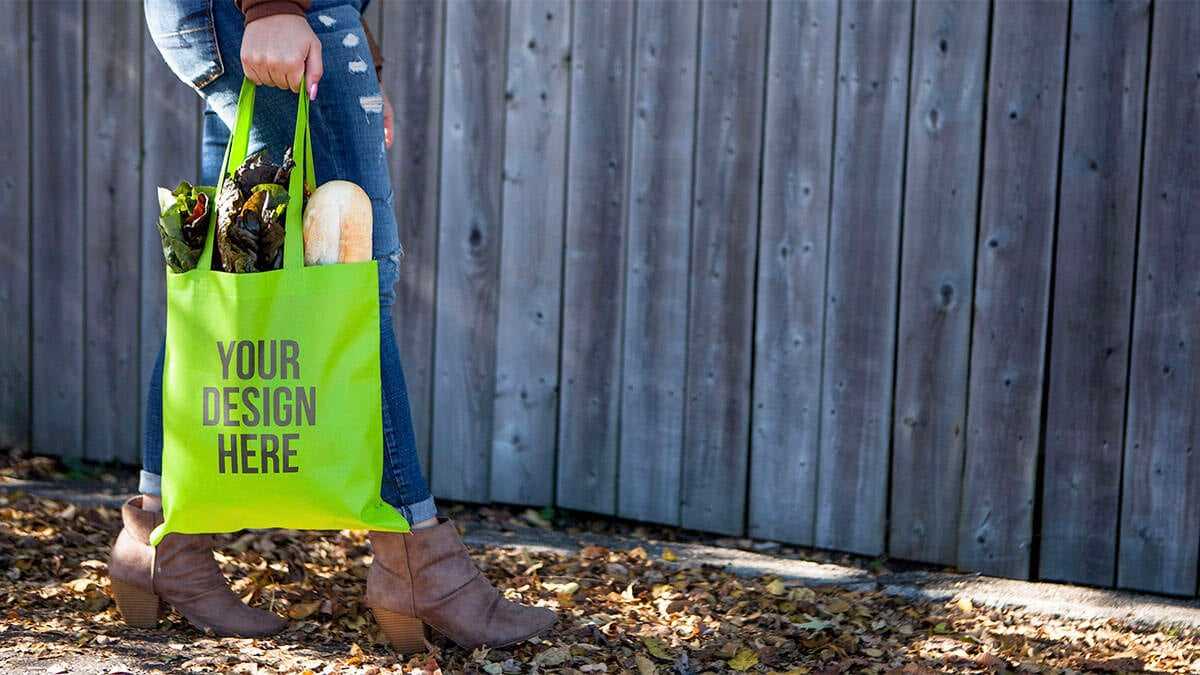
(312, 91)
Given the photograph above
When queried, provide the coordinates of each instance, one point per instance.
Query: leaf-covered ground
(621, 611)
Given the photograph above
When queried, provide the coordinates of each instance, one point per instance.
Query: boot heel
(406, 634)
(138, 607)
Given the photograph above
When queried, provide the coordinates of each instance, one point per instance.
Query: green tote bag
(272, 415)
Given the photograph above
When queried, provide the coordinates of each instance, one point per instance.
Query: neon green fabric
(272, 414)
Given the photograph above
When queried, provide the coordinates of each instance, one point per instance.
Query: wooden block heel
(138, 607)
(406, 634)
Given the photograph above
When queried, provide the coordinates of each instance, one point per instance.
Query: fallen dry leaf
(744, 660)
(303, 610)
(656, 648)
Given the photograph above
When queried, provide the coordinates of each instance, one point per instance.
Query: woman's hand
(389, 118)
(278, 50)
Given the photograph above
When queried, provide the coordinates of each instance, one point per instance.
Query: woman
(424, 577)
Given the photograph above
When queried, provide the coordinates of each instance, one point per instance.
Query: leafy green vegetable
(251, 211)
(182, 225)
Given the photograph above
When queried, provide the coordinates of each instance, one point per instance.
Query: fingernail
(312, 91)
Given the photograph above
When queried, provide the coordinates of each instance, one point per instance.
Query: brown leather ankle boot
(426, 577)
(181, 571)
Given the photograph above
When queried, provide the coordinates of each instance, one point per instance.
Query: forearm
(258, 9)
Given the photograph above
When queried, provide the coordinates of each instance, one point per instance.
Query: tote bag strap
(302, 176)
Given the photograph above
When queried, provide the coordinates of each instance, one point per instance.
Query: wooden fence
(890, 278)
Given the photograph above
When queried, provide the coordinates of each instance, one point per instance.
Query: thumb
(314, 67)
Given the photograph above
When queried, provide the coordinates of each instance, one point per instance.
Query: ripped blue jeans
(201, 41)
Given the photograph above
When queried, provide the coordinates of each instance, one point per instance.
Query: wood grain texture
(864, 247)
(1093, 290)
(724, 241)
(412, 77)
(656, 284)
(593, 278)
(15, 216)
(113, 242)
(1008, 343)
(941, 199)
(526, 408)
(1160, 503)
(59, 219)
(171, 118)
(468, 249)
(792, 248)
(373, 18)
(886, 209)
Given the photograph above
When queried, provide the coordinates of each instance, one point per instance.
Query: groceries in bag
(337, 224)
(182, 224)
(251, 213)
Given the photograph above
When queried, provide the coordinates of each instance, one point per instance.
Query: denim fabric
(201, 41)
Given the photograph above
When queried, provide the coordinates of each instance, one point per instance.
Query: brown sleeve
(376, 52)
(257, 9)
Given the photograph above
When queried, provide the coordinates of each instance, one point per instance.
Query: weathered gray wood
(535, 150)
(595, 256)
(628, 324)
(724, 241)
(113, 242)
(864, 247)
(468, 249)
(1008, 340)
(1093, 290)
(373, 18)
(792, 247)
(1160, 499)
(59, 222)
(171, 118)
(655, 342)
(941, 197)
(14, 214)
(412, 77)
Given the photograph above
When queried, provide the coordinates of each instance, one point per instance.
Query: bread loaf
(337, 224)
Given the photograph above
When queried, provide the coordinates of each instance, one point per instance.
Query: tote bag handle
(302, 176)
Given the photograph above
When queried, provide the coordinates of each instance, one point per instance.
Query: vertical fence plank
(792, 248)
(468, 249)
(724, 241)
(112, 182)
(656, 283)
(1160, 512)
(14, 212)
(412, 77)
(597, 170)
(1012, 286)
(864, 246)
(526, 413)
(171, 114)
(373, 17)
(1093, 289)
(936, 268)
(59, 221)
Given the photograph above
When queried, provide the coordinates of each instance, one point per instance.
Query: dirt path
(641, 610)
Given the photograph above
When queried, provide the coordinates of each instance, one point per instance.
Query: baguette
(337, 224)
